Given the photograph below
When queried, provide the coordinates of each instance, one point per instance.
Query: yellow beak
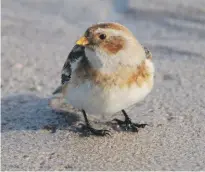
(82, 41)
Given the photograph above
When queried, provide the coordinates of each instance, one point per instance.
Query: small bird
(107, 71)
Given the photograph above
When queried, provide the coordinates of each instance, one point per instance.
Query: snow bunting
(107, 71)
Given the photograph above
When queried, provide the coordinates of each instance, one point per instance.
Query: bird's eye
(102, 36)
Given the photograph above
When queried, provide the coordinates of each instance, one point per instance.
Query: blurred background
(37, 36)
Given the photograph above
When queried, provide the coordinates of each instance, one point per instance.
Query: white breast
(96, 101)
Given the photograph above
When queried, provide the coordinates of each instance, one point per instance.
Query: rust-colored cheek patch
(113, 45)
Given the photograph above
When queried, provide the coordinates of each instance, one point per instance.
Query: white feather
(103, 103)
(132, 53)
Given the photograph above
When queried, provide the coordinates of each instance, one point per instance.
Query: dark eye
(102, 36)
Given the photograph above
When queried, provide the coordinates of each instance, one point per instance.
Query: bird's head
(108, 45)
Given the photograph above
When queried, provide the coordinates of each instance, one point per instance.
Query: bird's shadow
(29, 112)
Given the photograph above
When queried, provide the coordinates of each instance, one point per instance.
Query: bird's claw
(88, 130)
(140, 125)
(127, 125)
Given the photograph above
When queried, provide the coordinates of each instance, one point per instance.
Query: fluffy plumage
(108, 70)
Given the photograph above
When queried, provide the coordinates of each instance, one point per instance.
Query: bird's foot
(127, 124)
(88, 130)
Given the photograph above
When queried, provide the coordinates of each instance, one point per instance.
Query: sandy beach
(36, 38)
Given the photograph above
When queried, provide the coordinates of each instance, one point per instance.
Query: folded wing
(76, 53)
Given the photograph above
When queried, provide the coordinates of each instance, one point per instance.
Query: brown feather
(113, 45)
(115, 26)
(124, 76)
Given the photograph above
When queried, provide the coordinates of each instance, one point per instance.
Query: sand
(36, 39)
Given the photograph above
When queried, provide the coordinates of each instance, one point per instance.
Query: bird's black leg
(89, 130)
(127, 124)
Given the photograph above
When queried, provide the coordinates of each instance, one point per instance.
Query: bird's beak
(82, 41)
